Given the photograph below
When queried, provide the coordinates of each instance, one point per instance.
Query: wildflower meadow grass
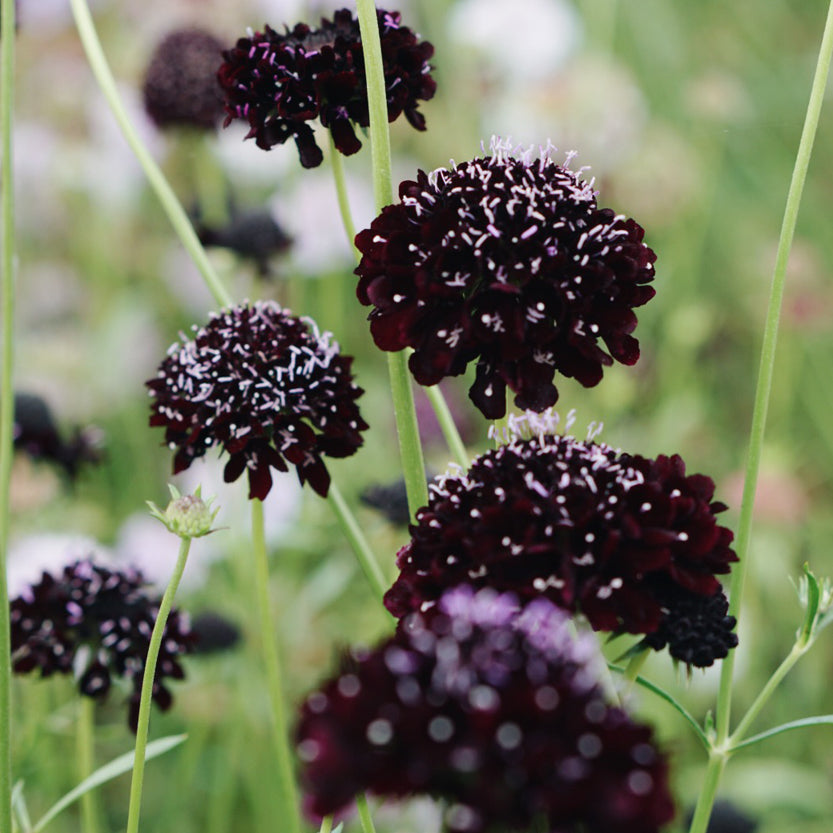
(409, 388)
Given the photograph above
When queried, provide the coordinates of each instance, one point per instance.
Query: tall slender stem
(271, 658)
(718, 757)
(341, 194)
(85, 756)
(410, 448)
(171, 205)
(767, 364)
(354, 534)
(364, 814)
(147, 687)
(7, 52)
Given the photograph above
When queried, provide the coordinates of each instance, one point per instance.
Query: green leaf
(19, 809)
(660, 692)
(118, 766)
(819, 720)
(813, 596)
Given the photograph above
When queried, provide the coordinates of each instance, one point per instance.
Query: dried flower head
(96, 623)
(180, 87)
(265, 386)
(280, 83)
(507, 261)
(494, 709)
(630, 542)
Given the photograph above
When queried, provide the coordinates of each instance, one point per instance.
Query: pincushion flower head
(494, 709)
(630, 542)
(506, 261)
(96, 623)
(266, 387)
(279, 83)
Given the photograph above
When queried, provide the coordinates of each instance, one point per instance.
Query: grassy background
(689, 116)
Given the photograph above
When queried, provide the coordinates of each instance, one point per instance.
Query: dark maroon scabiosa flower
(630, 542)
(36, 433)
(96, 623)
(265, 386)
(493, 709)
(180, 87)
(507, 261)
(279, 83)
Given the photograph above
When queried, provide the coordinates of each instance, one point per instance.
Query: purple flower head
(631, 542)
(265, 386)
(96, 623)
(180, 87)
(279, 83)
(507, 261)
(494, 710)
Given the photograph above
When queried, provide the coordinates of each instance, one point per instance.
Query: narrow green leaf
(813, 597)
(118, 766)
(819, 720)
(660, 692)
(19, 809)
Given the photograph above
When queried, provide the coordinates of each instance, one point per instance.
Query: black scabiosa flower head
(180, 87)
(629, 541)
(96, 623)
(36, 433)
(265, 386)
(494, 709)
(279, 83)
(507, 261)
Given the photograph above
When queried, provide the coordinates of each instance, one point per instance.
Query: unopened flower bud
(188, 516)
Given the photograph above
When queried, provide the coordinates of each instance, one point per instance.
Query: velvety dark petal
(507, 262)
(279, 83)
(619, 538)
(492, 708)
(266, 387)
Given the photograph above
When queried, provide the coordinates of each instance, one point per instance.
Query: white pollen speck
(646, 507)
(683, 536)
(349, 685)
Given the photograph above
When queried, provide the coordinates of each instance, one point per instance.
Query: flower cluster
(507, 261)
(96, 623)
(268, 388)
(630, 542)
(493, 709)
(278, 83)
(180, 87)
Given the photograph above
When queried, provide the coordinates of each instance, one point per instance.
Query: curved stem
(767, 364)
(173, 208)
(148, 676)
(7, 21)
(341, 194)
(448, 426)
(271, 659)
(353, 533)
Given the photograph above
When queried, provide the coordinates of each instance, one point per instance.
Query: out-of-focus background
(688, 115)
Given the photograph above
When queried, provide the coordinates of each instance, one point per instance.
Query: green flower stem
(326, 824)
(447, 425)
(708, 792)
(410, 448)
(341, 193)
(268, 633)
(798, 650)
(171, 205)
(353, 533)
(7, 47)
(364, 813)
(767, 365)
(719, 754)
(147, 687)
(85, 756)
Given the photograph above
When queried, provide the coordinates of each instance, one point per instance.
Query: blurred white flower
(524, 40)
(32, 555)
